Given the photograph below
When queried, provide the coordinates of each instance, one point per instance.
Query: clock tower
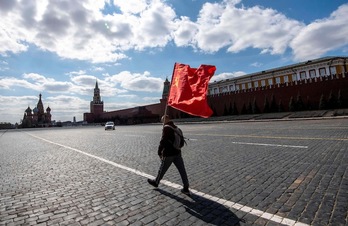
(97, 105)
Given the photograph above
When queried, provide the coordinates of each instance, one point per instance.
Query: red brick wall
(309, 90)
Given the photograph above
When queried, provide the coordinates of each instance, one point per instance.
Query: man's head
(165, 119)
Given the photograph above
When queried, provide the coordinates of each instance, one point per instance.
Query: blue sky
(59, 48)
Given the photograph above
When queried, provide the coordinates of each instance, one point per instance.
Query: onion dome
(35, 110)
(28, 110)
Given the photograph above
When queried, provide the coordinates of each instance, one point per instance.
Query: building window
(333, 70)
(237, 87)
(232, 88)
(243, 86)
(263, 83)
(224, 89)
(256, 84)
(216, 91)
(277, 80)
(312, 73)
(249, 85)
(303, 75)
(270, 82)
(294, 77)
(322, 71)
(286, 79)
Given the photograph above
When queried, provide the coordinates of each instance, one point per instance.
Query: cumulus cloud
(12, 83)
(15, 106)
(136, 81)
(322, 36)
(60, 106)
(226, 75)
(83, 29)
(223, 25)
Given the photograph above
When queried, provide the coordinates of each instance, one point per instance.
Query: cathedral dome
(48, 109)
(35, 110)
(28, 110)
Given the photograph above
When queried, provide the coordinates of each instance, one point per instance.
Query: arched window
(312, 73)
(303, 75)
(322, 71)
(333, 70)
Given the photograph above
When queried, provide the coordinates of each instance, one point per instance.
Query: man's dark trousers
(178, 162)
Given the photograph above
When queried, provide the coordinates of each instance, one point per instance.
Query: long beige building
(312, 69)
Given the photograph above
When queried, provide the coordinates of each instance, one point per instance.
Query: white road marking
(271, 145)
(229, 204)
(129, 135)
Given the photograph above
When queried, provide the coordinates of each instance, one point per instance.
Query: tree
(274, 107)
(292, 104)
(255, 109)
(230, 110)
(234, 109)
(280, 106)
(266, 105)
(309, 104)
(244, 110)
(250, 108)
(225, 111)
(322, 102)
(332, 102)
(299, 103)
(339, 99)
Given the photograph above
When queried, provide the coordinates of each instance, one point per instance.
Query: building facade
(315, 84)
(311, 85)
(37, 117)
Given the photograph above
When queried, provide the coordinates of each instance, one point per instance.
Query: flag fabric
(188, 90)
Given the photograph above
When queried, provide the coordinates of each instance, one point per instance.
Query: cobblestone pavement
(241, 173)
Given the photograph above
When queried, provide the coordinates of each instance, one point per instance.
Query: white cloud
(224, 76)
(136, 81)
(256, 64)
(11, 83)
(80, 30)
(224, 25)
(154, 26)
(63, 106)
(15, 106)
(132, 6)
(322, 36)
(185, 32)
(4, 66)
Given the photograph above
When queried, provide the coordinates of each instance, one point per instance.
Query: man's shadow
(207, 210)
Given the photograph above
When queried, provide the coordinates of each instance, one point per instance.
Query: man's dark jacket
(165, 147)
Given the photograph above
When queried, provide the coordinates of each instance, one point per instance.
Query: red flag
(188, 90)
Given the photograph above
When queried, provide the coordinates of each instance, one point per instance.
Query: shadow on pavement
(208, 211)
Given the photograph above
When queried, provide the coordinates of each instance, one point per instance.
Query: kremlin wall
(312, 85)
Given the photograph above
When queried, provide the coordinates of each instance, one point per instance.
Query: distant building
(96, 107)
(37, 117)
(315, 84)
(311, 85)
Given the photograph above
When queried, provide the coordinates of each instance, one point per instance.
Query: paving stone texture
(292, 170)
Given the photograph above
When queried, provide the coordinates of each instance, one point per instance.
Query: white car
(109, 125)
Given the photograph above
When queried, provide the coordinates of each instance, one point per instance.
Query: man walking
(169, 151)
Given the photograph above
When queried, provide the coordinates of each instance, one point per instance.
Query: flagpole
(165, 110)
